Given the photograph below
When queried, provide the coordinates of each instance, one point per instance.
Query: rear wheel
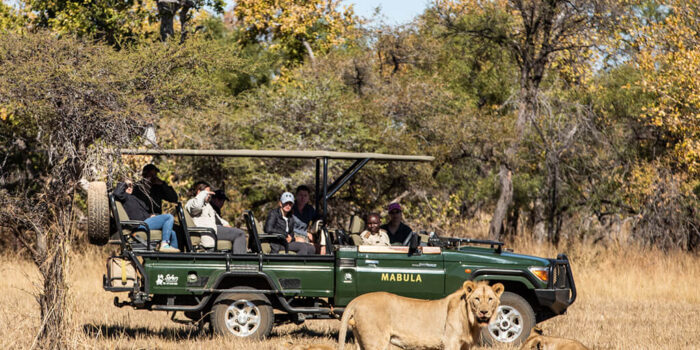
(513, 322)
(98, 213)
(243, 315)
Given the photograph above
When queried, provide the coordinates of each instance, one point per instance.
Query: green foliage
(10, 19)
(116, 22)
(287, 26)
(412, 89)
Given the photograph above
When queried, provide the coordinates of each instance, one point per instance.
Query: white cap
(286, 198)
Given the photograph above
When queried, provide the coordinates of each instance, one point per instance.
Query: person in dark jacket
(398, 231)
(280, 221)
(153, 191)
(136, 209)
(303, 213)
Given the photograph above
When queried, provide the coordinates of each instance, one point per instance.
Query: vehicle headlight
(540, 272)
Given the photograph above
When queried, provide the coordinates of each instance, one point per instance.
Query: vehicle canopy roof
(279, 154)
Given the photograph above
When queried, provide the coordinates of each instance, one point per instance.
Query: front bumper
(561, 289)
(557, 300)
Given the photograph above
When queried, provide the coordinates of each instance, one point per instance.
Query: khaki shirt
(381, 238)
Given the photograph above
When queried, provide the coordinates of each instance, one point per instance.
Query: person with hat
(280, 221)
(398, 231)
(217, 200)
(153, 191)
(204, 215)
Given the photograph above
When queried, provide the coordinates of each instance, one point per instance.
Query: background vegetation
(559, 121)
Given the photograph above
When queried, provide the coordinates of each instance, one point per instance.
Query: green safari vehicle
(246, 295)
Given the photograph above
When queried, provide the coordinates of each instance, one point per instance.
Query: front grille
(560, 280)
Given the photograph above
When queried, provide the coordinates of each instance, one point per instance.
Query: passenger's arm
(167, 192)
(270, 224)
(195, 205)
(223, 222)
(120, 192)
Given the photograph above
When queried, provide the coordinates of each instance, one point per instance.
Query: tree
(669, 60)
(117, 22)
(534, 32)
(64, 104)
(296, 27)
(10, 19)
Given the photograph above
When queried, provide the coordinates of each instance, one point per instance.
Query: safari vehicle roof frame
(324, 192)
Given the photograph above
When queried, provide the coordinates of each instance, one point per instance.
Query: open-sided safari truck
(245, 295)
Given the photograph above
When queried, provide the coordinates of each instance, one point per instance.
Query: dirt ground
(629, 298)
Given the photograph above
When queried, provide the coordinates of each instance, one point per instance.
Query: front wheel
(513, 322)
(242, 315)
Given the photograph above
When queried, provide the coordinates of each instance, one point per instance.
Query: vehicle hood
(487, 256)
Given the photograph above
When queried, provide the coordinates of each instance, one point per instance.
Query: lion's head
(482, 300)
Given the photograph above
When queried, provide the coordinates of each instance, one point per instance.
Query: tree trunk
(52, 258)
(552, 229)
(504, 202)
(505, 174)
(52, 300)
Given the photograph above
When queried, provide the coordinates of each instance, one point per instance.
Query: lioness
(450, 323)
(537, 341)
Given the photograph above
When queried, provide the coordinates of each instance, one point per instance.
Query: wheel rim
(508, 324)
(242, 318)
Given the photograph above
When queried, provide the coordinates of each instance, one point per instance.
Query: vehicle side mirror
(413, 243)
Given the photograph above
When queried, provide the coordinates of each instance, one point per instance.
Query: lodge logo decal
(167, 280)
(402, 277)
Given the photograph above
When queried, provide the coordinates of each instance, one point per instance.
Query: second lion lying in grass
(451, 323)
(537, 341)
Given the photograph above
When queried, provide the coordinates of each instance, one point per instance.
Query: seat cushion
(355, 225)
(224, 245)
(156, 235)
(356, 239)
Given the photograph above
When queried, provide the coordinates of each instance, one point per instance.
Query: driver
(398, 231)
(373, 235)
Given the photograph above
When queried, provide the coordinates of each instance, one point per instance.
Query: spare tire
(98, 213)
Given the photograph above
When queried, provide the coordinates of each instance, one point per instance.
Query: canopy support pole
(345, 177)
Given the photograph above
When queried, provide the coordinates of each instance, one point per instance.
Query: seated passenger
(153, 191)
(280, 221)
(304, 214)
(204, 215)
(397, 230)
(374, 235)
(217, 200)
(136, 209)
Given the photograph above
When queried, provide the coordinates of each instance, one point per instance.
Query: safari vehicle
(246, 295)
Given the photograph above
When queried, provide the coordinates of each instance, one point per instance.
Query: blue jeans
(165, 223)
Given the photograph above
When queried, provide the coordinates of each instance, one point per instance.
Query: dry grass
(628, 299)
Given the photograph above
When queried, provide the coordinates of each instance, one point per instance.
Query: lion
(382, 319)
(308, 347)
(537, 341)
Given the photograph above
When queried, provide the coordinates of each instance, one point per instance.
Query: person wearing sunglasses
(280, 221)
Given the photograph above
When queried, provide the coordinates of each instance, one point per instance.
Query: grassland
(629, 298)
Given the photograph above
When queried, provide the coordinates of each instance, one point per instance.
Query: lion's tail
(347, 315)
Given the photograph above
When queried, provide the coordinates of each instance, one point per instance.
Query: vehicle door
(393, 269)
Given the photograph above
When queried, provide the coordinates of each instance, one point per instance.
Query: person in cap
(398, 231)
(217, 200)
(280, 221)
(373, 234)
(153, 191)
(204, 215)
